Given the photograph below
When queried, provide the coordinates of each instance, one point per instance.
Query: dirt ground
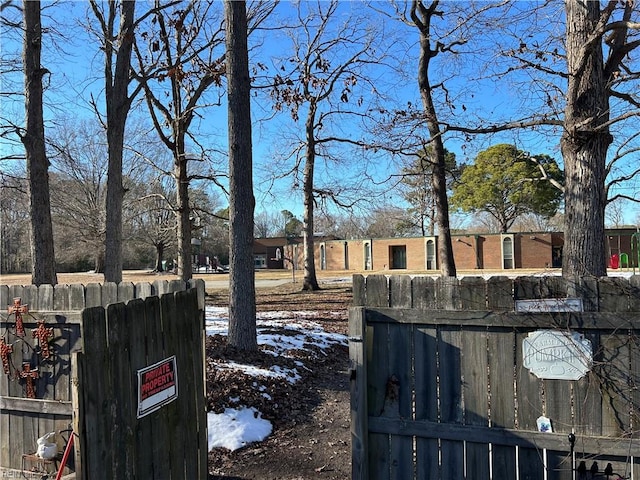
(311, 426)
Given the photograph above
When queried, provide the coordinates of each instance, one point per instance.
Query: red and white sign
(157, 386)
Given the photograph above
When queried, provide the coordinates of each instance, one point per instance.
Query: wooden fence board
(426, 398)
(126, 291)
(475, 380)
(500, 294)
(473, 295)
(423, 293)
(171, 325)
(379, 379)
(158, 421)
(613, 371)
(136, 323)
(399, 399)
(451, 406)
(109, 293)
(358, 394)
(97, 414)
(61, 297)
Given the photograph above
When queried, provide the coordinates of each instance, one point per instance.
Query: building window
(398, 256)
(367, 256)
(507, 252)
(431, 255)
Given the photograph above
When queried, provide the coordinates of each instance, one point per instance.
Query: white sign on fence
(555, 354)
(550, 305)
(157, 386)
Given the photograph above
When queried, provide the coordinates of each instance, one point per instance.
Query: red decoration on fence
(18, 309)
(29, 376)
(5, 350)
(43, 334)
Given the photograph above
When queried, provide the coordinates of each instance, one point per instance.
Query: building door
(398, 256)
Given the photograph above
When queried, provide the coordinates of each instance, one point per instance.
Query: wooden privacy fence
(442, 388)
(91, 372)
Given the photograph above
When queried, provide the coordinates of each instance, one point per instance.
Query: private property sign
(157, 386)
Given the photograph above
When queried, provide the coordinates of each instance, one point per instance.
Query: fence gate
(450, 382)
(77, 356)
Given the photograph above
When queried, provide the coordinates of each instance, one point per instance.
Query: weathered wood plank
(613, 372)
(451, 409)
(399, 398)
(61, 297)
(109, 293)
(172, 327)
(93, 295)
(424, 293)
(358, 397)
(400, 291)
(475, 372)
(45, 298)
(158, 427)
(141, 458)
(78, 410)
(122, 403)
(613, 294)
(97, 416)
(590, 445)
(501, 345)
(473, 293)
(358, 285)
(500, 294)
(448, 293)
(33, 405)
(426, 398)
(377, 291)
(126, 291)
(586, 321)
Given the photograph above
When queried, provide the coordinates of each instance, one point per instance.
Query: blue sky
(76, 66)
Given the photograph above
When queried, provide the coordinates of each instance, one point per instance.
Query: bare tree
(421, 16)
(318, 83)
(178, 61)
(117, 47)
(14, 225)
(43, 270)
(242, 299)
(79, 187)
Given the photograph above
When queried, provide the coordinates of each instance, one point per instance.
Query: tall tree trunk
(118, 103)
(439, 180)
(183, 210)
(159, 257)
(584, 144)
(310, 281)
(242, 294)
(43, 265)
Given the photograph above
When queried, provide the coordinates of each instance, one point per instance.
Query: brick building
(471, 252)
